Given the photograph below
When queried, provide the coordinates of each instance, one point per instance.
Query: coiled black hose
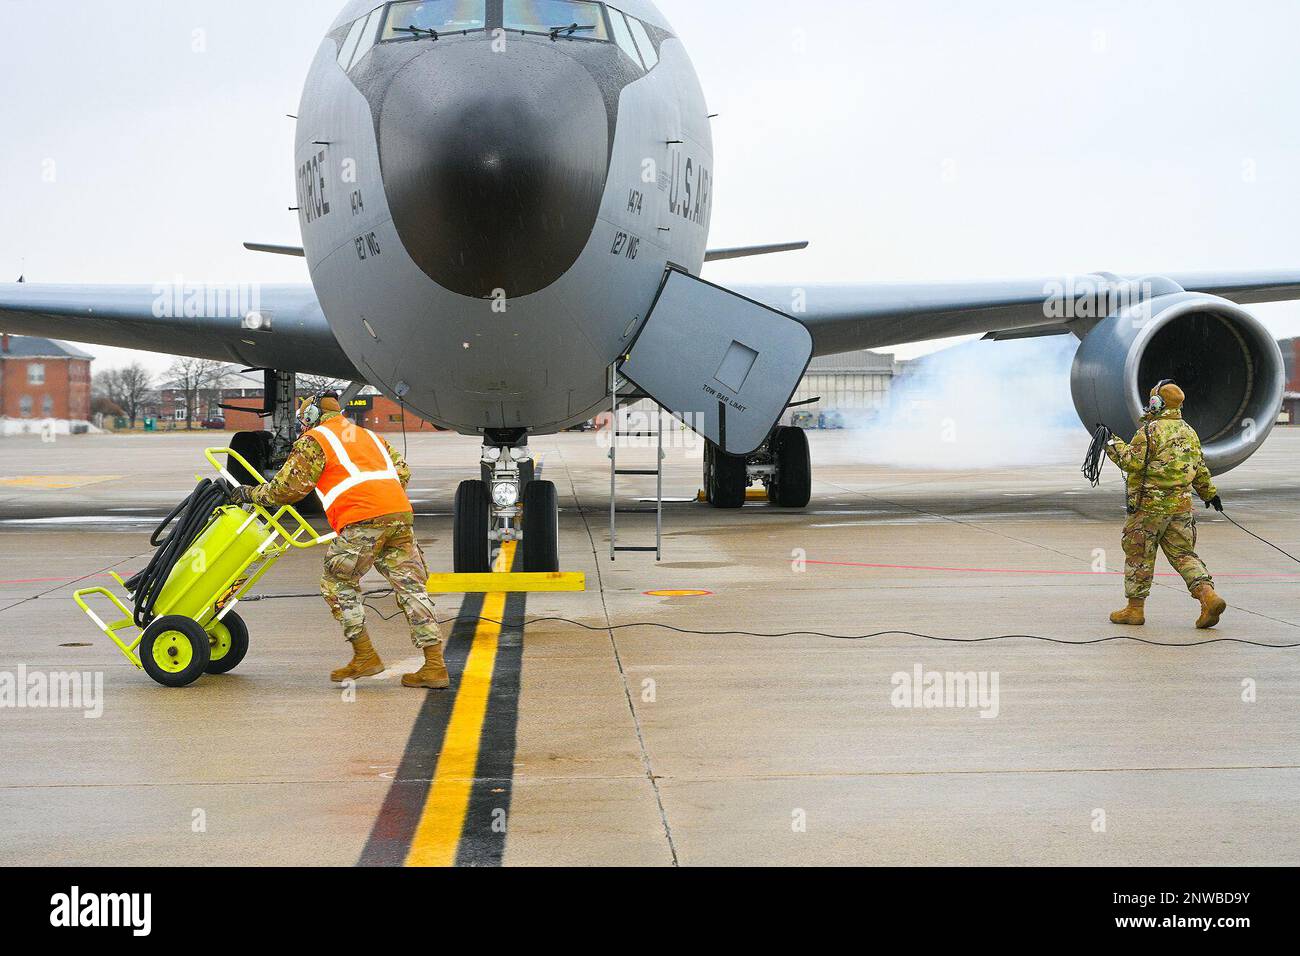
(191, 517)
(1096, 455)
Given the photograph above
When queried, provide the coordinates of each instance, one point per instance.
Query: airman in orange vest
(361, 481)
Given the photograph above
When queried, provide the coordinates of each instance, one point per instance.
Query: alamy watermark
(1092, 297)
(920, 689)
(55, 690)
(194, 300)
(75, 909)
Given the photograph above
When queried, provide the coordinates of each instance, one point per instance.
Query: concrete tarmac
(632, 745)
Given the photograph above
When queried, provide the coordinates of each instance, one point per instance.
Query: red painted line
(51, 580)
(921, 567)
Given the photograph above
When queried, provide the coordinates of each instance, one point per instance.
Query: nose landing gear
(506, 504)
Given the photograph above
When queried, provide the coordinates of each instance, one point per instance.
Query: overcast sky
(910, 139)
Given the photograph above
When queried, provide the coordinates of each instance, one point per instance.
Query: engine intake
(1224, 359)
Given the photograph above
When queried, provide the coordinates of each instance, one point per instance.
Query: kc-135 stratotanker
(505, 209)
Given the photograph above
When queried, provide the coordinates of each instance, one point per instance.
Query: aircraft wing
(275, 326)
(844, 318)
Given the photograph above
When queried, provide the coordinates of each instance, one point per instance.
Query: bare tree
(319, 384)
(191, 377)
(128, 388)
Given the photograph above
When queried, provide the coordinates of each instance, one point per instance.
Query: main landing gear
(506, 504)
(783, 464)
(267, 451)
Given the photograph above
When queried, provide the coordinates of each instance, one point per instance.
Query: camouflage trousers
(388, 545)
(1175, 535)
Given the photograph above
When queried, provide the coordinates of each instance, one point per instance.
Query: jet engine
(1226, 361)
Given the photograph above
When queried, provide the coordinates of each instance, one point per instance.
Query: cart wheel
(229, 637)
(175, 651)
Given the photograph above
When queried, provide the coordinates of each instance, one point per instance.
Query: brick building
(42, 380)
(1291, 398)
(370, 410)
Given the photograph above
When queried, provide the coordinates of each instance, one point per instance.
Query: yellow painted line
(437, 837)
(507, 583)
(55, 482)
(674, 594)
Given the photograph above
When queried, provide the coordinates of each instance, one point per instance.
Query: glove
(242, 495)
(1216, 503)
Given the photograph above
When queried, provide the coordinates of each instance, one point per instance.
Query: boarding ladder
(617, 431)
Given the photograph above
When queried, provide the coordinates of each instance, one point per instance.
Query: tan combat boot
(433, 675)
(1133, 614)
(365, 662)
(1212, 606)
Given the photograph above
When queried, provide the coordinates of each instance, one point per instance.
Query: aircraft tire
(708, 471)
(541, 527)
(730, 480)
(792, 485)
(255, 447)
(471, 548)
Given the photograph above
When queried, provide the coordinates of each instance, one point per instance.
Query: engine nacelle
(1226, 361)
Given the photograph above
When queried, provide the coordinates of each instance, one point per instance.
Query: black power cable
(834, 637)
(191, 516)
(1258, 538)
(1093, 461)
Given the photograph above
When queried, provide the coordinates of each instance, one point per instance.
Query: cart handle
(273, 519)
(111, 629)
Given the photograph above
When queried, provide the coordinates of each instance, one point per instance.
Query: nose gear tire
(471, 548)
(541, 526)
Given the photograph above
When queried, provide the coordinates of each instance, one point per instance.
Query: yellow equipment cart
(191, 628)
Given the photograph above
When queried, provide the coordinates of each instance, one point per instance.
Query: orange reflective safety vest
(360, 480)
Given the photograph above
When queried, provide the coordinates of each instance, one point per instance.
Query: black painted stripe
(394, 828)
(483, 838)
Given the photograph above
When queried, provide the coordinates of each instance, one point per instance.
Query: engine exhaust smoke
(979, 405)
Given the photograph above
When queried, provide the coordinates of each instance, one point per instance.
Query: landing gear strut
(783, 464)
(506, 504)
(267, 451)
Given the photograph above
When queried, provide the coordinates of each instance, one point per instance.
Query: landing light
(505, 494)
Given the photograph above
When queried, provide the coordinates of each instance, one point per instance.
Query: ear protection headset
(310, 412)
(1157, 403)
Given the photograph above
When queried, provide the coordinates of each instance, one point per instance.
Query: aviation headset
(310, 413)
(1157, 403)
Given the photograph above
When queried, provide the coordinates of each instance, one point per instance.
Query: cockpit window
(561, 19)
(350, 44)
(623, 36)
(430, 18)
(369, 35)
(648, 51)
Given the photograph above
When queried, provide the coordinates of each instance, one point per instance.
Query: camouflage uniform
(386, 544)
(1164, 464)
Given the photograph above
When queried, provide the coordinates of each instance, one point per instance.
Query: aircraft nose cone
(494, 163)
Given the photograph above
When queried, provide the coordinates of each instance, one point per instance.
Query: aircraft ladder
(617, 382)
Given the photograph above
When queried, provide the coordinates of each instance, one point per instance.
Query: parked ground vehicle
(804, 419)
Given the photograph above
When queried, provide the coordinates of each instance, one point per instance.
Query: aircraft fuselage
(488, 215)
